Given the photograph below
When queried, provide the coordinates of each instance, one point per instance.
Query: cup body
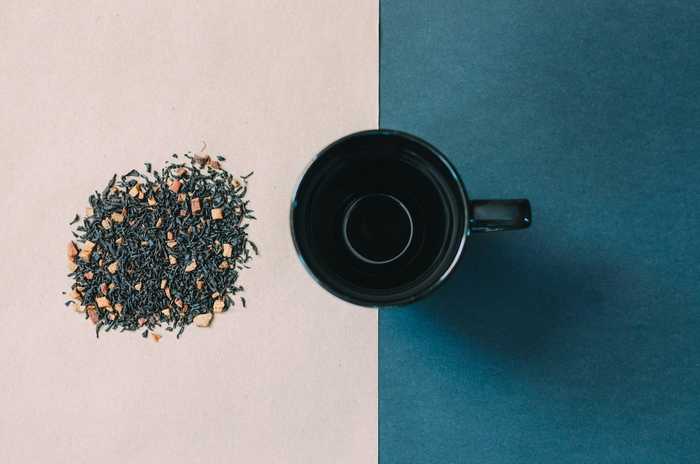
(380, 218)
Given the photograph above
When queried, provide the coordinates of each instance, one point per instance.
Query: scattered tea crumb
(72, 251)
(175, 186)
(203, 320)
(227, 250)
(135, 190)
(195, 205)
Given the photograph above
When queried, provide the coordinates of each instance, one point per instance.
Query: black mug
(380, 218)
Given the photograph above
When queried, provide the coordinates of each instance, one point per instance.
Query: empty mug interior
(378, 228)
(379, 218)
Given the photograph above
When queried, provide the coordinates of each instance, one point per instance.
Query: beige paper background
(92, 88)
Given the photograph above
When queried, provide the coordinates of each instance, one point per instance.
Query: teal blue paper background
(578, 340)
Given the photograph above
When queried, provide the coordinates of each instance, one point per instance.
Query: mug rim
(455, 177)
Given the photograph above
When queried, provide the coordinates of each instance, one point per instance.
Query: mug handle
(497, 215)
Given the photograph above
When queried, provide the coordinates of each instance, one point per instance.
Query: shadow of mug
(508, 297)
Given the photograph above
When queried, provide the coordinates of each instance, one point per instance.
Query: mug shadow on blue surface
(508, 298)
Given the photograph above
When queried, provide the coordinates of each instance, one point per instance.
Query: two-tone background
(575, 341)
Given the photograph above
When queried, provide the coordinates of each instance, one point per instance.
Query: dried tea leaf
(178, 235)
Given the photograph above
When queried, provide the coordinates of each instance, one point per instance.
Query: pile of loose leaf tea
(162, 249)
